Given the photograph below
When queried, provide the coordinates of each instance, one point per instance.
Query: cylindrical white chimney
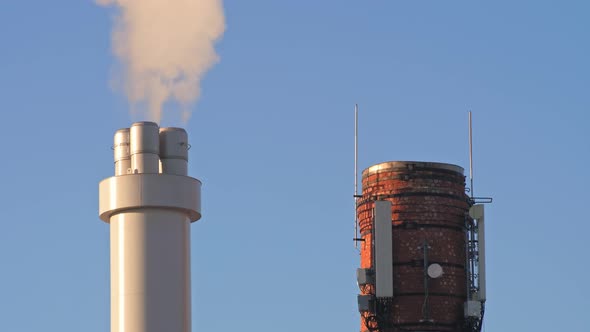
(149, 216)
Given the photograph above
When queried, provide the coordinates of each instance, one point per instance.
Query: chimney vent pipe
(121, 149)
(144, 147)
(174, 150)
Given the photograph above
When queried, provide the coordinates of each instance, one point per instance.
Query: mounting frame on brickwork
(356, 195)
(474, 307)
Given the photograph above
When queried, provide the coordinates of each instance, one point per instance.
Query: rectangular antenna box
(365, 276)
(383, 243)
(365, 302)
(472, 309)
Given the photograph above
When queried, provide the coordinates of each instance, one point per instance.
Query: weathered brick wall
(429, 204)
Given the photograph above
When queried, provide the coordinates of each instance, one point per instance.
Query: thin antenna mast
(470, 156)
(356, 152)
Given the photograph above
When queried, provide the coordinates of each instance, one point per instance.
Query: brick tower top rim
(389, 166)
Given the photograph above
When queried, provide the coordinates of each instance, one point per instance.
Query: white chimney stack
(150, 203)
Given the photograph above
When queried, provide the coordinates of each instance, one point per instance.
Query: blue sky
(272, 142)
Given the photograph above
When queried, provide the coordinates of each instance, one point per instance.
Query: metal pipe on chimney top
(144, 147)
(149, 215)
(174, 151)
(121, 149)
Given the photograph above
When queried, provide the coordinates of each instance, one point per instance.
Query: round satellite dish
(435, 271)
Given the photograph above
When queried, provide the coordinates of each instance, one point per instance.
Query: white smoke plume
(164, 48)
